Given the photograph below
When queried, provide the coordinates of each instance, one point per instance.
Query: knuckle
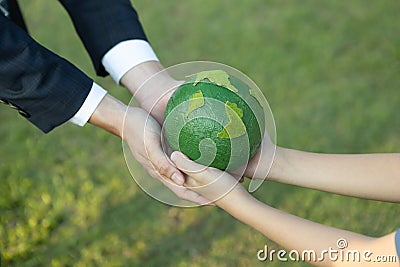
(181, 195)
(189, 182)
(163, 168)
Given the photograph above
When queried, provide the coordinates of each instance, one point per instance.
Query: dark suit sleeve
(102, 24)
(45, 88)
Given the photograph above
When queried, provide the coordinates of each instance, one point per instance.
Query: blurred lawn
(330, 71)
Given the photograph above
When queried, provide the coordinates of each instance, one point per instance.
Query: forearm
(294, 233)
(136, 76)
(291, 232)
(99, 28)
(371, 176)
(151, 94)
(109, 115)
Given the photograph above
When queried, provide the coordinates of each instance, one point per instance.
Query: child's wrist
(279, 164)
(234, 198)
(241, 207)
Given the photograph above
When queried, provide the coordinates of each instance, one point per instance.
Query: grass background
(330, 71)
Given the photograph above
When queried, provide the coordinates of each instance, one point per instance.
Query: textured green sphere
(215, 119)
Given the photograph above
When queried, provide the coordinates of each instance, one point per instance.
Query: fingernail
(173, 156)
(177, 179)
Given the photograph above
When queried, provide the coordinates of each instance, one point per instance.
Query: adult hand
(143, 135)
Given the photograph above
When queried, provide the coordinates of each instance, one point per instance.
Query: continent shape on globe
(215, 119)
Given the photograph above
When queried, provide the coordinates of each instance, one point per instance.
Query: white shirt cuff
(126, 55)
(96, 94)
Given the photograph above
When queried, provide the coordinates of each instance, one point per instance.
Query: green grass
(330, 71)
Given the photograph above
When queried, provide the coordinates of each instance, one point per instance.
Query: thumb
(186, 165)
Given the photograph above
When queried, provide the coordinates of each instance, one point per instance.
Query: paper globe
(215, 119)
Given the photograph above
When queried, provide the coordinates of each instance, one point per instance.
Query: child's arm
(370, 176)
(285, 229)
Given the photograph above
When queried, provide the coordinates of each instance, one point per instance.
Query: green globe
(215, 119)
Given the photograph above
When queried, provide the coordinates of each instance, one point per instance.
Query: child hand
(217, 186)
(259, 166)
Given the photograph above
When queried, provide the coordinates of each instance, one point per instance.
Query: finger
(186, 165)
(238, 177)
(196, 198)
(163, 166)
(186, 194)
(166, 146)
